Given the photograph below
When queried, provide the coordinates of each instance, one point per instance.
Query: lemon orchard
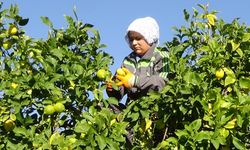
(69, 67)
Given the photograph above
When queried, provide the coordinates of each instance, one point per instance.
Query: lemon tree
(47, 85)
(205, 104)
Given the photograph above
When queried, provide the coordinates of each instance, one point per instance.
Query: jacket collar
(148, 55)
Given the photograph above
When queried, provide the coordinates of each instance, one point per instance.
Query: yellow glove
(127, 80)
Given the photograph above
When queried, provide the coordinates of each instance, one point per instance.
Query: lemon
(219, 74)
(49, 110)
(12, 30)
(14, 85)
(59, 107)
(9, 125)
(7, 44)
(102, 74)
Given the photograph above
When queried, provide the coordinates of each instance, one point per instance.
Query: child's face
(138, 43)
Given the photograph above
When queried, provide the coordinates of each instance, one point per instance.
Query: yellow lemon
(12, 30)
(14, 85)
(7, 44)
(219, 74)
(9, 125)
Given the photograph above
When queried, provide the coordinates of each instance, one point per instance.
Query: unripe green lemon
(49, 110)
(102, 74)
(59, 107)
(219, 74)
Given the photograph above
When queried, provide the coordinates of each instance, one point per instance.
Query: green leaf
(231, 124)
(195, 14)
(229, 72)
(101, 141)
(20, 131)
(215, 143)
(244, 83)
(229, 80)
(77, 69)
(112, 100)
(46, 21)
(144, 113)
(58, 53)
(75, 14)
(112, 144)
(192, 77)
(234, 45)
(240, 52)
(134, 116)
(88, 117)
(203, 135)
(82, 127)
(246, 37)
(182, 133)
(23, 22)
(188, 76)
(240, 120)
(224, 132)
(69, 19)
(92, 110)
(238, 144)
(186, 14)
(195, 125)
(185, 89)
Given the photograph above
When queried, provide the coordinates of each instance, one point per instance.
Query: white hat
(147, 27)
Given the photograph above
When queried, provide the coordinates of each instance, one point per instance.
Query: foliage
(36, 75)
(199, 110)
(51, 97)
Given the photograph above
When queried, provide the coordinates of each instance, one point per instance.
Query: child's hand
(127, 80)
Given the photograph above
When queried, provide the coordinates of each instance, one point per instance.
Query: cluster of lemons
(12, 31)
(51, 109)
(103, 74)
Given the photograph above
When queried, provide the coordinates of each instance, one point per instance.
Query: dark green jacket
(150, 71)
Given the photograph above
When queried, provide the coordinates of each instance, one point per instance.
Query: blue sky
(112, 17)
